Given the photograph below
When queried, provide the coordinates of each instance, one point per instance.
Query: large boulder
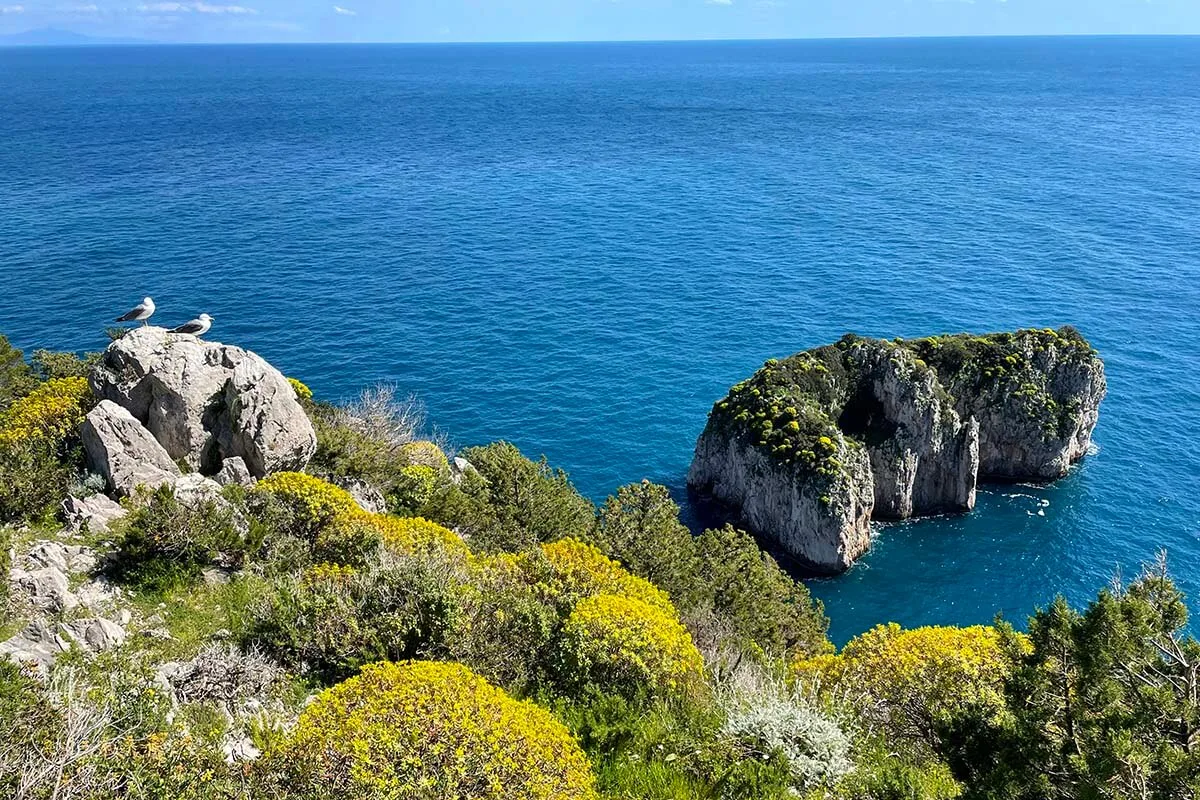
(123, 452)
(206, 402)
(812, 448)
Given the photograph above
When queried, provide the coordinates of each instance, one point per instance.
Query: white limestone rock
(206, 402)
(123, 452)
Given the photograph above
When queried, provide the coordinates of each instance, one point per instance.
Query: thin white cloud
(12, 9)
(719, 2)
(197, 7)
(205, 8)
(345, 12)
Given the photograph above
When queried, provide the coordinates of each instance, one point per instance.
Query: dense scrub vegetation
(483, 631)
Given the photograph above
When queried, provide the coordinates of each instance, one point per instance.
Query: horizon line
(136, 42)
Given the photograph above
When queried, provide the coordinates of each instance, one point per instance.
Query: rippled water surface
(580, 247)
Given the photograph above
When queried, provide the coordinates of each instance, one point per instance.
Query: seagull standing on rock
(140, 313)
(197, 327)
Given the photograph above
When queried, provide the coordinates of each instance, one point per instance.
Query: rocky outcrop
(206, 402)
(826, 525)
(813, 447)
(123, 452)
(1037, 403)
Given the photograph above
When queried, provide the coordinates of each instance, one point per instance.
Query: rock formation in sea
(813, 447)
(203, 402)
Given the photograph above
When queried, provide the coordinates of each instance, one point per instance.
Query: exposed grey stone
(95, 634)
(121, 450)
(96, 512)
(239, 748)
(47, 588)
(234, 472)
(365, 495)
(206, 402)
(64, 557)
(38, 645)
(459, 467)
(97, 594)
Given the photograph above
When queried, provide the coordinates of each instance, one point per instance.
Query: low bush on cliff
(625, 645)
(428, 729)
(329, 621)
(511, 503)
(40, 452)
(167, 543)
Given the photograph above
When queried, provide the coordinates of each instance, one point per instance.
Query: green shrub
(414, 488)
(430, 730)
(767, 608)
(668, 751)
(332, 620)
(1100, 703)
(34, 481)
(518, 502)
(506, 629)
(167, 543)
(16, 378)
(51, 365)
(883, 774)
(640, 528)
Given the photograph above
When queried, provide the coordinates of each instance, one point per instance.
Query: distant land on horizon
(55, 37)
(58, 37)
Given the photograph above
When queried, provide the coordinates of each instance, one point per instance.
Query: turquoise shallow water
(580, 247)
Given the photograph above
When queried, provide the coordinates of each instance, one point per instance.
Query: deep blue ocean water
(580, 247)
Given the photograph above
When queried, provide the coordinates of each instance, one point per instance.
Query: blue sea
(579, 247)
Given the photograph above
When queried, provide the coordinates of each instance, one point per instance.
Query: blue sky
(537, 20)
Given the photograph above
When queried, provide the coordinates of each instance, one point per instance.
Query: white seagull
(199, 326)
(140, 313)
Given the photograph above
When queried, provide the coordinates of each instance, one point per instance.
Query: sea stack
(813, 447)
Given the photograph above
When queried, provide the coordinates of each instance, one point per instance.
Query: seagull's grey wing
(138, 310)
(195, 326)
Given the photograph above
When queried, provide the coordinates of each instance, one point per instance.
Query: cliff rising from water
(811, 448)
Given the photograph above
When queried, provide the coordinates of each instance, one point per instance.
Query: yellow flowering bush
(414, 535)
(315, 502)
(425, 454)
(302, 391)
(49, 414)
(623, 643)
(576, 570)
(342, 531)
(430, 730)
(415, 487)
(328, 573)
(914, 677)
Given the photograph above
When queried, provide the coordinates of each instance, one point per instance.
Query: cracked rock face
(812, 448)
(123, 452)
(205, 402)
